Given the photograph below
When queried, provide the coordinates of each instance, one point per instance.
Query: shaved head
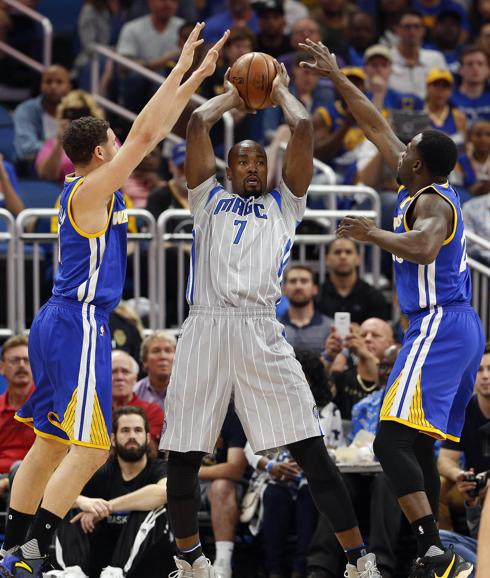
(245, 146)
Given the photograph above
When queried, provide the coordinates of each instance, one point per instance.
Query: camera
(480, 480)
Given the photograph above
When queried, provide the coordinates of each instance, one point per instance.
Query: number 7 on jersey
(241, 227)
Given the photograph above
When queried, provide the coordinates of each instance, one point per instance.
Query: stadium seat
(39, 194)
(7, 133)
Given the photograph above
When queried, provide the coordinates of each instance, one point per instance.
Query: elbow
(197, 119)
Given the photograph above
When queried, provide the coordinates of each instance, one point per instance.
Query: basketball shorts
(70, 355)
(434, 374)
(240, 352)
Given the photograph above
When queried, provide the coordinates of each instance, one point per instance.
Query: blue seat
(63, 14)
(7, 133)
(38, 194)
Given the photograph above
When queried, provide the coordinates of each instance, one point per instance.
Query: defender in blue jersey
(70, 343)
(432, 379)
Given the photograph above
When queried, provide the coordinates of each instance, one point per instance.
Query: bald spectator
(35, 119)
(124, 375)
(411, 62)
(157, 356)
(343, 290)
(366, 345)
(306, 329)
(472, 96)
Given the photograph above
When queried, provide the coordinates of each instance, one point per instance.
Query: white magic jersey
(240, 246)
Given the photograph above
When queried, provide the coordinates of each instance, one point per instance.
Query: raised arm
(432, 224)
(200, 162)
(368, 117)
(152, 124)
(297, 169)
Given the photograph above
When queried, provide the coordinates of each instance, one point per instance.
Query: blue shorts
(434, 374)
(70, 355)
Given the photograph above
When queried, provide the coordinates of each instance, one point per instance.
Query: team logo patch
(102, 331)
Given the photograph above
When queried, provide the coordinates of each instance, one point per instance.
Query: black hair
(82, 136)
(129, 410)
(316, 376)
(438, 152)
(487, 348)
(410, 12)
(471, 49)
(330, 245)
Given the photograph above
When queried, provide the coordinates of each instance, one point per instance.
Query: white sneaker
(111, 572)
(366, 568)
(200, 569)
(222, 569)
(68, 572)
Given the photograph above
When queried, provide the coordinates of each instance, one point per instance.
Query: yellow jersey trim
(45, 435)
(27, 420)
(89, 445)
(432, 431)
(71, 177)
(455, 212)
(72, 220)
(325, 116)
(453, 438)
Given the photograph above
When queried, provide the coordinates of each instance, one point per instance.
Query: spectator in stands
(52, 162)
(286, 499)
(122, 529)
(361, 34)
(343, 290)
(333, 19)
(301, 30)
(125, 371)
(271, 38)
(447, 35)
(476, 214)
(9, 187)
(148, 40)
(473, 168)
(126, 329)
(389, 14)
(431, 11)
(371, 494)
(443, 115)
(305, 328)
(145, 177)
(238, 14)
(157, 356)
(472, 96)
(411, 62)
(357, 379)
(222, 487)
(15, 438)
(173, 195)
(471, 455)
(35, 119)
(483, 39)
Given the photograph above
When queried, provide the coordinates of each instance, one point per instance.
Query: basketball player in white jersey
(232, 344)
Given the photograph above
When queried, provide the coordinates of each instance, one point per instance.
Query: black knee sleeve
(424, 452)
(394, 447)
(325, 482)
(183, 492)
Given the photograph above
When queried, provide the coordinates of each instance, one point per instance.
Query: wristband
(270, 465)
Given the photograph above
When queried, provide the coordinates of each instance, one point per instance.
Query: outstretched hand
(187, 55)
(208, 65)
(356, 228)
(280, 82)
(324, 63)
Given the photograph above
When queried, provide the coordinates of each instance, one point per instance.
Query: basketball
(252, 74)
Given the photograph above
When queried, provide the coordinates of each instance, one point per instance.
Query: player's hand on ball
(324, 63)
(280, 82)
(238, 101)
(357, 228)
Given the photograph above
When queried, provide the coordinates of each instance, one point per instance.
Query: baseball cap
(263, 6)
(178, 154)
(439, 74)
(378, 50)
(356, 71)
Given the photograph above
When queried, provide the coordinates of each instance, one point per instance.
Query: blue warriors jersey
(92, 267)
(446, 280)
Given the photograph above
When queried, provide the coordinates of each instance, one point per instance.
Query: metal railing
(480, 274)
(170, 240)
(47, 38)
(8, 237)
(141, 248)
(100, 50)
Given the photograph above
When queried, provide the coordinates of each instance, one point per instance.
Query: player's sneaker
(365, 568)
(111, 572)
(14, 566)
(200, 569)
(447, 565)
(222, 569)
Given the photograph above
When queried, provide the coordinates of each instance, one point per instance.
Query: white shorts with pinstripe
(240, 352)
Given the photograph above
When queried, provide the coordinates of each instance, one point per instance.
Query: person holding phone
(432, 380)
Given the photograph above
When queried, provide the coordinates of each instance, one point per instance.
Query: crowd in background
(424, 64)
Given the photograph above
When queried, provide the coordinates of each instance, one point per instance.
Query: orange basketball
(253, 74)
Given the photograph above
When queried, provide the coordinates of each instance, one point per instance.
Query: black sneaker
(447, 565)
